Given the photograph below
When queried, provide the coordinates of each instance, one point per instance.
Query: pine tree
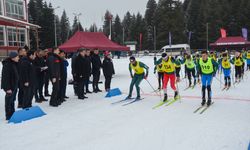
(77, 26)
(126, 23)
(106, 26)
(150, 24)
(65, 27)
(118, 31)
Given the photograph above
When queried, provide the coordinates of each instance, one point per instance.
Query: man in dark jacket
(81, 73)
(96, 66)
(73, 60)
(108, 70)
(88, 69)
(9, 82)
(63, 81)
(21, 53)
(27, 73)
(46, 74)
(54, 66)
(40, 67)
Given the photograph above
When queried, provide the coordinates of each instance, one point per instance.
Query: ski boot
(165, 97)
(203, 102)
(176, 95)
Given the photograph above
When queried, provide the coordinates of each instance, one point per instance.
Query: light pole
(78, 19)
(55, 26)
(207, 35)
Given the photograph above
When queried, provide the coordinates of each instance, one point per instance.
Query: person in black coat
(46, 74)
(21, 53)
(73, 60)
(63, 81)
(40, 67)
(54, 69)
(108, 70)
(26, 76)
(96, 67)
(9, 82)
(81, 73)
(88, 69)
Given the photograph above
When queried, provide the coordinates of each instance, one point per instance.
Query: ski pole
(218, 80)
(152, 87)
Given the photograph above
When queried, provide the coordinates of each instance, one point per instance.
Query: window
(16, 37)
(1, 36)
(15, 9)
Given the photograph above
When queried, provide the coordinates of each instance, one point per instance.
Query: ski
(162, 103)
(136, 100)
(206, 107)
(224, 89)
(187, 88)
(199, 108)
(124, 100)
(173, 101)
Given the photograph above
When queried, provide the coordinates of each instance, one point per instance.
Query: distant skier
(237, 60)
(160, 71)
(190, 64)
(226, 68)
(247, 56)
(139, 74)
(168, 63)
(207, 68)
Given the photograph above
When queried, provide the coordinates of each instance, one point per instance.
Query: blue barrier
(114, 92)
(26, 114)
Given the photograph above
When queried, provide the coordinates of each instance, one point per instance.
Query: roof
(230, 41)
(18, 22)
(91, 40)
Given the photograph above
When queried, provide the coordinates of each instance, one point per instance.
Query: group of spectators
(26, 75)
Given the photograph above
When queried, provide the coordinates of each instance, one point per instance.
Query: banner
(223, 33)
(244, 33)
(140, 41)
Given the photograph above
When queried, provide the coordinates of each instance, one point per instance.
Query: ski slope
(95, 124)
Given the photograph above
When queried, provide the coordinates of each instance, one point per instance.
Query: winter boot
(209, 95)
(176, 95)
(165, 97)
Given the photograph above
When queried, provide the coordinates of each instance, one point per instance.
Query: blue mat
(26, 114)
(113, 92)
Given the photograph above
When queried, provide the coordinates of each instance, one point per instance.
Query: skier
(207, 68)
(247, 56)
(168, 63)
(238, 62)
(226, 68)
(189, 62)
(196, 61)
(139, 74)
(160, 71)
(177, 68)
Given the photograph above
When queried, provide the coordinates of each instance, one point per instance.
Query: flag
(245, 33)
(170, 39)
(140, 41)
(223, 33)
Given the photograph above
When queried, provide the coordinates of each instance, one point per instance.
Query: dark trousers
(96, 78)
(248, 66)
(46, 83)
(238, 72)
(39, 87)
(191, 72)
(54, 99)
(107, 82)
(20, 96)
(27, 97)
(80, 88)
(227, 81)
(75, 85)
(10, 104)
(177, 71)
(160, 79)
(87, 84)
(63, 86)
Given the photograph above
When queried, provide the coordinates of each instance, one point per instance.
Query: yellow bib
(238, 62)
(160, 68)
(137, 69)
(168, 66)
(226, 64)
(248, 55)
(190, 64)
(206, 68)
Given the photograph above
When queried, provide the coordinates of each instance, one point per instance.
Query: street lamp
(77, 15)
(55, 26)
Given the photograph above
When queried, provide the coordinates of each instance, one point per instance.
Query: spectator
(108, 70)
(96, 66)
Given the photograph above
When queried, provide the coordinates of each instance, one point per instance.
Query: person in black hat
(238, 61)
(139, 74)
(88, 69)
(27, 74)
(63, 81)
(108, 70)
(160, 70)
(9, 82)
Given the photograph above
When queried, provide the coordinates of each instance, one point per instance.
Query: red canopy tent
(236, 42)
(91, 40)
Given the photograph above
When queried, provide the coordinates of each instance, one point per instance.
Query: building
(14, 25)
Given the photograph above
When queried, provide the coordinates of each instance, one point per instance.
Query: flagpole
(207, 35)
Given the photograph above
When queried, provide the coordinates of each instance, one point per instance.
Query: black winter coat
(88, 65)
(54, 66)
(27, 72)
(96, 63)
(39, 62)
(10, 75)
(80, 68)
(108, 67)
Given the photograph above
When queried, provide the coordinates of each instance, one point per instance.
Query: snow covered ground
(95, 124)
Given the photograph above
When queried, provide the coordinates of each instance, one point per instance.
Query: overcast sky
(94, 10)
